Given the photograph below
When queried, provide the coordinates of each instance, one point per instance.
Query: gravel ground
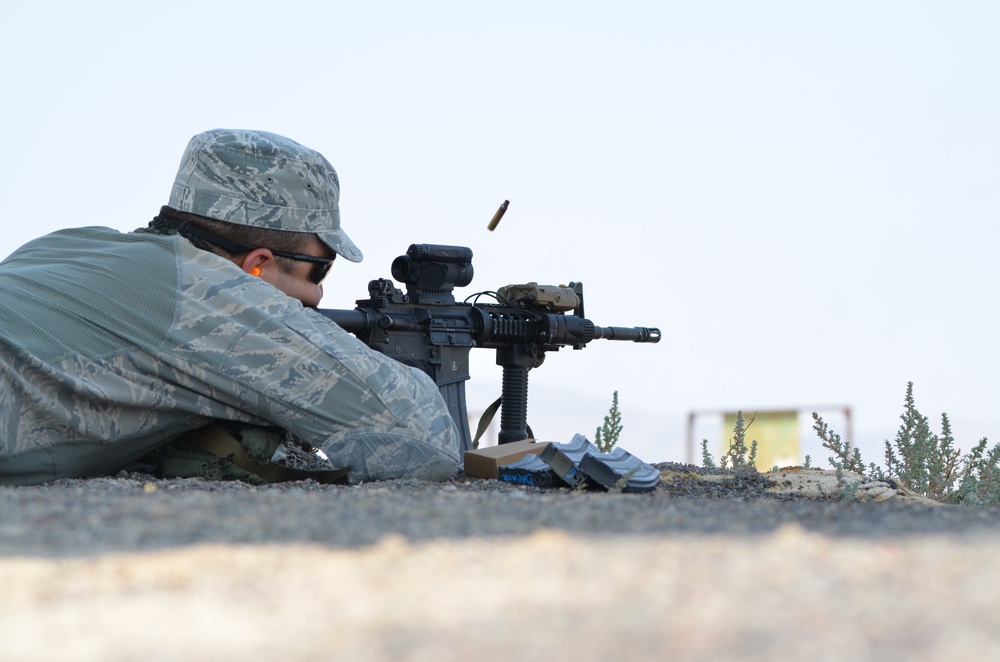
(134, 567)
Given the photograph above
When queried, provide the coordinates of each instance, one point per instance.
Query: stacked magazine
(580, 464)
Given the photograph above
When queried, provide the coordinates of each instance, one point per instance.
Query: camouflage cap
(265, 180)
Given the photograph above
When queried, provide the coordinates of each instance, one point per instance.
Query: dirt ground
(135, 569)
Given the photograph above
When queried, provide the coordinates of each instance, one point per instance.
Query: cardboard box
(484, 462)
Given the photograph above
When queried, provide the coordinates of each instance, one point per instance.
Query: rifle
(428, 329)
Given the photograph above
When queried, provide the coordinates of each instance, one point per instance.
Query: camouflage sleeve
(277, 361)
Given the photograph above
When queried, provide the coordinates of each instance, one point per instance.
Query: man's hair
(256, 237)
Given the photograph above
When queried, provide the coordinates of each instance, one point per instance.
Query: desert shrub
(924, 462)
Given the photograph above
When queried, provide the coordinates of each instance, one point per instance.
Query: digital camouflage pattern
(265, 180)
(113, 343)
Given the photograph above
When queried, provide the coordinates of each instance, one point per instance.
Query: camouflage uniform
(113, 343)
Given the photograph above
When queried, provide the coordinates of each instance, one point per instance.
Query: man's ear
(256, 261)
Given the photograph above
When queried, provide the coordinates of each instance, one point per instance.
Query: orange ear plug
(255, 271)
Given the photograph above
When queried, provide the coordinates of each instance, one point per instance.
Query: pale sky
(802, 196)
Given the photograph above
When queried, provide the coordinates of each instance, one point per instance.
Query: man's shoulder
(91, 245)
(92, 236)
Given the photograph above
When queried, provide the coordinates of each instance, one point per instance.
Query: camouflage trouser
(226, 450)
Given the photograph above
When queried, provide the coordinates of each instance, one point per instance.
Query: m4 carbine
(426, 328)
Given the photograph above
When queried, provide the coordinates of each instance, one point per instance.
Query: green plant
(979, 482)
(845, 491)
(924, 462)
(622, 482)
(738, 456)
(608, 434)
(707, 460)
(845, 458)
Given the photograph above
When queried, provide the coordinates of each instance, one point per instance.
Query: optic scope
(431, 271)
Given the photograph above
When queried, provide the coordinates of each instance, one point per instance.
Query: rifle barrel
(352, 321)
(635, 334)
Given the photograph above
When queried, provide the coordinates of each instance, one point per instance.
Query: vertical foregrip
(514, 410)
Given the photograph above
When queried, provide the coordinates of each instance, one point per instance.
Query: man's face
(296, 282)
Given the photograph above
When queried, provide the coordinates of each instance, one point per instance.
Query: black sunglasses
(321, 265)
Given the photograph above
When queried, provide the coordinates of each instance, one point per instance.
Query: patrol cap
(264, 180)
